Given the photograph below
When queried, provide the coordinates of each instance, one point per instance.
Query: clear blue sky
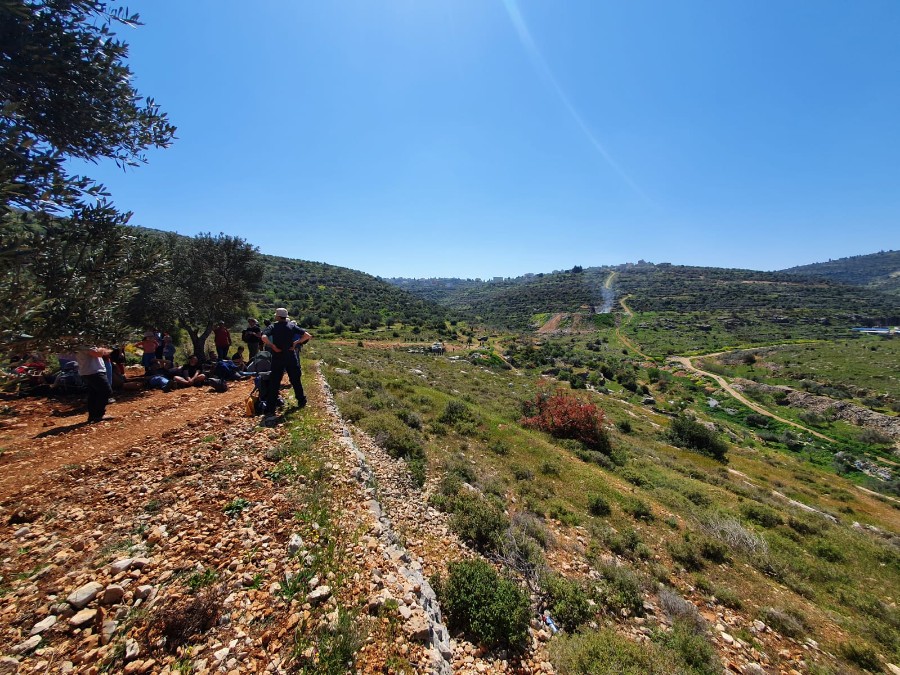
(481, 138)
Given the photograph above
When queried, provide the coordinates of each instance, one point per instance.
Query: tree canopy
(67, 266)
(205, 279)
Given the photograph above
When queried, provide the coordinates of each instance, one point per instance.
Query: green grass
(647, 495)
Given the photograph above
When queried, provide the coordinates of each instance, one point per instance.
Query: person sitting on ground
(238, 358)
(159, 377)
(191, 374)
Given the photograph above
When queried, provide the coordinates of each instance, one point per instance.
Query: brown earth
(41, 434)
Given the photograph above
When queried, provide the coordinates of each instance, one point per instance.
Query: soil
(40, 434)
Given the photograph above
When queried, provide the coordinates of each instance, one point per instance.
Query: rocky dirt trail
(183, 537)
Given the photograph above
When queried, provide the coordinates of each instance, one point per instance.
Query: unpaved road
(688, 363)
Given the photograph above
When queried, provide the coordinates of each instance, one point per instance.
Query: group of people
(281, 337)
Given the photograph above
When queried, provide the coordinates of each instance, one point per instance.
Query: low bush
(392, 435)
(692, 647)
(566, 416)
(789, 623)
(620, 589)
(861, 654)
(605, 652)
(491, 609)
(455, 412)
(478, 521)
(761, 515)
(637, 509)
(686, 432)
(567, 602)
(598, 506)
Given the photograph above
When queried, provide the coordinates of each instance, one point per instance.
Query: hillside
(319, 294)
(676, 308)
(879, 271)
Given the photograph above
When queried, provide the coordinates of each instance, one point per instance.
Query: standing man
(92, 370)
(282, 337)
(251, 336)
(222, 340)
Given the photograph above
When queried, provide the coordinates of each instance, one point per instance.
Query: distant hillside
(318, 293)
(515, 303)
(879, 271)
(653, 288)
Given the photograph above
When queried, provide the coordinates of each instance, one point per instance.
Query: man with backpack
(282, 338)
(251, 337)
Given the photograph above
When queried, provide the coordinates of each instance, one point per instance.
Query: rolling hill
(879, 271)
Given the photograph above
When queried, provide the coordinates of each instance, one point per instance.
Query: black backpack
(218, 384)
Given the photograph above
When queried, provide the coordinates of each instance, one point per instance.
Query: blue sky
(481, 138)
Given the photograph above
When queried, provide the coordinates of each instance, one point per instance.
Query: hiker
(222, 340)
(251, 336)
(191, 373)
(281, 338)
(92, 371)
(149, 345)
(168, 349)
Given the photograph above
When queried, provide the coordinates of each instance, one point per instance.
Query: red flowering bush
(563, 415)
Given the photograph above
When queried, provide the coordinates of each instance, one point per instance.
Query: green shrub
(805, 526)
(692, 647)
(563, 514)
(624, 542)
(477, 520)
(411, 419)
(481, 603)
(686, 432)
(634, 477)
(637, 509)
(605, 652)
(825, 550)
(761, 515)
(686, 553)
(567, 602)
(454, 413)
(597, 505)
(397, 439)
(550, 468)
(860, 654)
(620, 589)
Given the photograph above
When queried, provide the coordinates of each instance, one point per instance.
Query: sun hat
(281, 312)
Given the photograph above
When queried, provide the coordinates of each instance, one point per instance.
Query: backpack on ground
(261, 363)
(218, 384)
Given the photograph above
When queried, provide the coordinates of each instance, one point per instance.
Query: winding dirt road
(688, 364)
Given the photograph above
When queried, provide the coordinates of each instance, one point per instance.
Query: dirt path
(45, 434)
(689, 364)
(552, 324)
(630, 315)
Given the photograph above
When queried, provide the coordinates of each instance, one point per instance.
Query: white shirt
(88, 364)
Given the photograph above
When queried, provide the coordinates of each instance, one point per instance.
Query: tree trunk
(198, 340)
